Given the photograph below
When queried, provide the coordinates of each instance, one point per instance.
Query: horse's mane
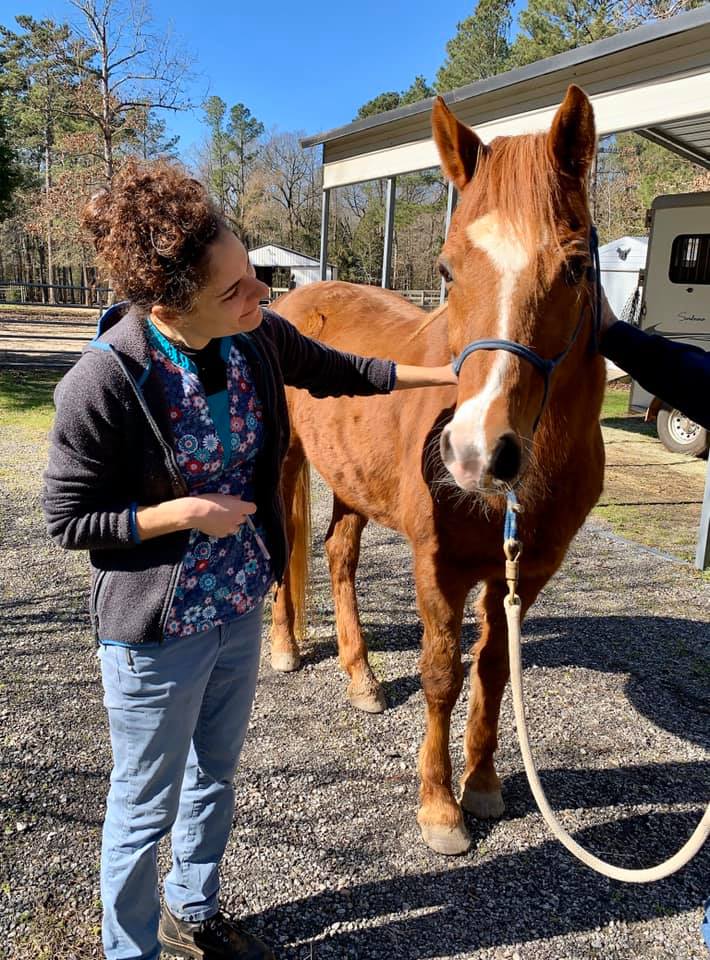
(428, 319)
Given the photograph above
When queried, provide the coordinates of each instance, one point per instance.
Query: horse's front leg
(441, 596)
(480, 787)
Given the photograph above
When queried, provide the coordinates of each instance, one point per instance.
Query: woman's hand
(408, 376)
(216, 514)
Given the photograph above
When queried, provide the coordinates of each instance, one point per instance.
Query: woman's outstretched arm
(675, 372)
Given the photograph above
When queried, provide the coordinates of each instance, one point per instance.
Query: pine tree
(481, 47)
(549, 27)
(41, 104)
(419, 90)
(10, 172)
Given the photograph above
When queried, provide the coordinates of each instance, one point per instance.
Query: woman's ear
(165, 314)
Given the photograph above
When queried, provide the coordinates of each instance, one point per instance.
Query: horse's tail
(299, 564)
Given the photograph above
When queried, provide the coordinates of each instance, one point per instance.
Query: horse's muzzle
(478, 470)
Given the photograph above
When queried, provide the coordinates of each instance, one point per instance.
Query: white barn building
(281, 268)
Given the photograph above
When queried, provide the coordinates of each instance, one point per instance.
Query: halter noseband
(545, 366)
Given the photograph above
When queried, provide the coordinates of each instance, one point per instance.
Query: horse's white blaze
(498, 239)
(508, 255)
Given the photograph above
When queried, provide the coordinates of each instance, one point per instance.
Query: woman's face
(227, 304)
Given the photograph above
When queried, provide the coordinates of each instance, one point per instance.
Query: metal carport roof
(654, 80)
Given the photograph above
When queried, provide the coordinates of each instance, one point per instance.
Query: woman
(164, 463)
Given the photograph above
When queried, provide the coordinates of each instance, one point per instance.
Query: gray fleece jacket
(111, 450)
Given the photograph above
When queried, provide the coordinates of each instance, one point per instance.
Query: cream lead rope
(513, 548)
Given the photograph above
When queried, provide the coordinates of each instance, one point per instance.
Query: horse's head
(515, 262)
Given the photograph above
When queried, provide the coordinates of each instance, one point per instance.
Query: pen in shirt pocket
(259, 541)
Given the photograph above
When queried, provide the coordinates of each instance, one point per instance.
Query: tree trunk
(47, 191)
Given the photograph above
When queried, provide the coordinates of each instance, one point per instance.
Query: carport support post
(450, 207)
(389, 231)
(325, 210)
(702, 557)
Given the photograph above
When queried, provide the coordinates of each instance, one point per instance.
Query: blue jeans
(178, 714)
(705, 926)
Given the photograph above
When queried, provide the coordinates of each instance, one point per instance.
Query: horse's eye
(574, 270)
(445, 272)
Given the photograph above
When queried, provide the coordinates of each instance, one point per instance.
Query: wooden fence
(61, 295)
(55, 294)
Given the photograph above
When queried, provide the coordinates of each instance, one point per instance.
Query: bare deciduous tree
(130, 68)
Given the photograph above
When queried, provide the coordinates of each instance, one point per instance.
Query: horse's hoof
(370, 700)
(451, 841)
(483, 804)
(285, 661)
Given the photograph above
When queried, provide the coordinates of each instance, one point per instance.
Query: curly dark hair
(152, 231)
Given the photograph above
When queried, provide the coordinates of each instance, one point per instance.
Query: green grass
(616, 404)
(26, 399)
(615, 412)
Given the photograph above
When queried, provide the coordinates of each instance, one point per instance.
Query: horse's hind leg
(285, 654)
(342, 544)
(481, 793)
(441, 596)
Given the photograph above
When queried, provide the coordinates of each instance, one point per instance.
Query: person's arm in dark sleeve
(84, 463)
(326, 372)
(677, 373)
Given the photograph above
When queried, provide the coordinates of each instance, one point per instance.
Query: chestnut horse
(435, 464)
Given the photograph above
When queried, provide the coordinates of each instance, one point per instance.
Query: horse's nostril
(445, 444)
(505, 462)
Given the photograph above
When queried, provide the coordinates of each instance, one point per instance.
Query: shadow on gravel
(55, 795)
(512, 899)
(666, 659)
(661, 783)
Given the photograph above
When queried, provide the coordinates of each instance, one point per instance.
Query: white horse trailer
(676, 300)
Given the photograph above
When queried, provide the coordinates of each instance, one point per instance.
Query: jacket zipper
(169, 597)
(93, 600)
(168, 451)
(176, 477)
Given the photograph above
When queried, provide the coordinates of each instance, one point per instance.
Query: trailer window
(690, 259)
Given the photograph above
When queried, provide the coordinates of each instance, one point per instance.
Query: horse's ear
(571, 142)
(457, 144)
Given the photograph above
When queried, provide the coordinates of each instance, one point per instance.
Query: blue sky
(298, 66)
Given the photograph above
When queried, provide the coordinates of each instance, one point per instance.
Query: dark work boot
(216, 938)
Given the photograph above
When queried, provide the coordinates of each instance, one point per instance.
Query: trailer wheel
(679, 434)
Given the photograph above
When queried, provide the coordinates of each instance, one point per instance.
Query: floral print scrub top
(221, 578)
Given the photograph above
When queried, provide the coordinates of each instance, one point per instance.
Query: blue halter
(544, 366)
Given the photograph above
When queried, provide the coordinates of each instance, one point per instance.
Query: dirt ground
(325, 859)
(33, 338)
(651, 496)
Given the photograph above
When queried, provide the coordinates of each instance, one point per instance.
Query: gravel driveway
(325, 858)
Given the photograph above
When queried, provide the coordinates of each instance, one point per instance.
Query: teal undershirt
(218, 403)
